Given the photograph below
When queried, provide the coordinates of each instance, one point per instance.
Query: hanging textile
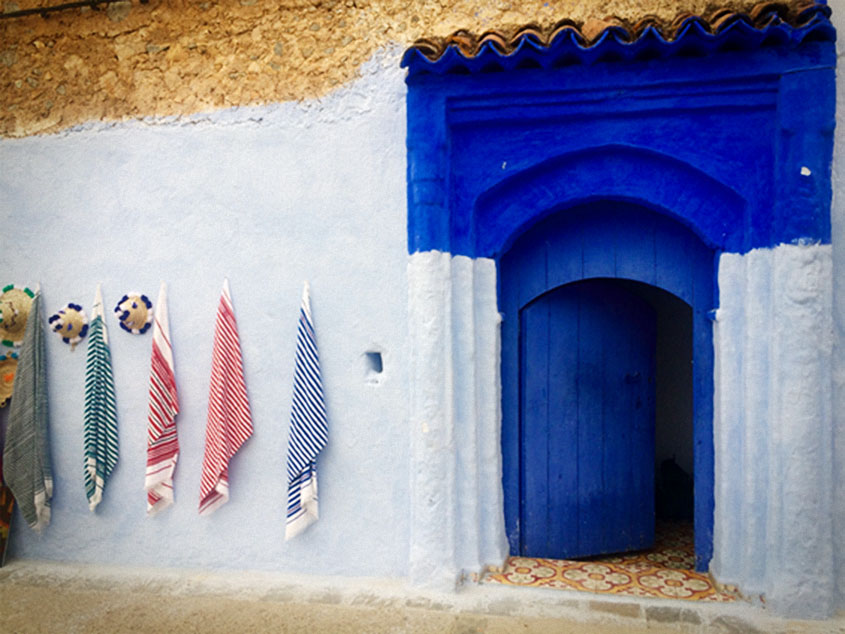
(229, 420)
(308, 428)
(26, 454)
(100, 419)
(162, 441)
(7, 508)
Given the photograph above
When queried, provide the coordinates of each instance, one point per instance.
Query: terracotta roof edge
(594, 33)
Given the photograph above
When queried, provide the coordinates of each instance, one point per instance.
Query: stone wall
(134, 60)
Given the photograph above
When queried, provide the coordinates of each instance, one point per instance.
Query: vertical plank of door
(563, 420)
(534, 416)
(565, 260)
(674, 261)
(597, 259)
(634, 247)
(702, 396)
(617, 362)
(642, 408)
(590, 375)
(532, 279)
(509, 291)
(635, 258)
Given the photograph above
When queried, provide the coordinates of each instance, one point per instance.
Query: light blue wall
(268, 196)
(838, 242)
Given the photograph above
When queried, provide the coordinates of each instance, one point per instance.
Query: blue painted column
(806, 111)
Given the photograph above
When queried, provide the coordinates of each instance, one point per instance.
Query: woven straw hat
(70, 323)
(15, 302)
(135, 313)
(8, 365)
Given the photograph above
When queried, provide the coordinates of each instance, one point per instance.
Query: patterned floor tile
(664, 571)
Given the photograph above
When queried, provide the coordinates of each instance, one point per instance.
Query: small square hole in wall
(374, 367)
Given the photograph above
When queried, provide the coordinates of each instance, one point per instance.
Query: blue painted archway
(610, 211)
(717, 213)
(710, 135)
(606, 239)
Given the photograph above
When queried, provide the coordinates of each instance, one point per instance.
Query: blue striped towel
(308, 429)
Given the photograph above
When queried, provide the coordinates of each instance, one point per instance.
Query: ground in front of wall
(66, 609)
(666, 571)
(47, 597)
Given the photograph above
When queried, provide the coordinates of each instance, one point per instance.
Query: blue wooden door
(587, 416)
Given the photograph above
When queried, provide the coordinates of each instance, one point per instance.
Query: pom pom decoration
(15, 302)
(8, 365)
(135, 313)
(70, 323)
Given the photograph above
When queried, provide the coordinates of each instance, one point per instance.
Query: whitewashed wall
(779, 424)
(838, 240)
(268, 196)
(772, 427)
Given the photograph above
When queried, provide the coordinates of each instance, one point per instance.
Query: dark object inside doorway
(673, 492)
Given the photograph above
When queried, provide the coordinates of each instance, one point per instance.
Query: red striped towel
(229, 420)
(162, 442)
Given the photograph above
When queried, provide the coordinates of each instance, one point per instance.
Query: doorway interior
(607, 459)
(606, 416)
(607, 388)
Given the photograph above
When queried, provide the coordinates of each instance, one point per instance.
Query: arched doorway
(585, 295)
(721, 149)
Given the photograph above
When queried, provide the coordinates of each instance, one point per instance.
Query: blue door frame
(607, 240)
(728, 134)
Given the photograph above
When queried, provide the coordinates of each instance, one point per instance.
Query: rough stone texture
(734, 625)
(671, 614)
(135, 60)
(631, 610)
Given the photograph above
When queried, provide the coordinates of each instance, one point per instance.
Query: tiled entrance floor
(665, 571)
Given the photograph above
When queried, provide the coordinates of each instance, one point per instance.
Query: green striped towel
(26, 455)
(100, 420)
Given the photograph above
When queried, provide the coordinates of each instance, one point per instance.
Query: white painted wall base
(772, 427)
(837, 218)
(454, 346)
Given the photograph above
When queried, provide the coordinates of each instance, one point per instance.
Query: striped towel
(100, 419)
(162, 442)
(308, 429)
(26, 455)
(229, 420)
